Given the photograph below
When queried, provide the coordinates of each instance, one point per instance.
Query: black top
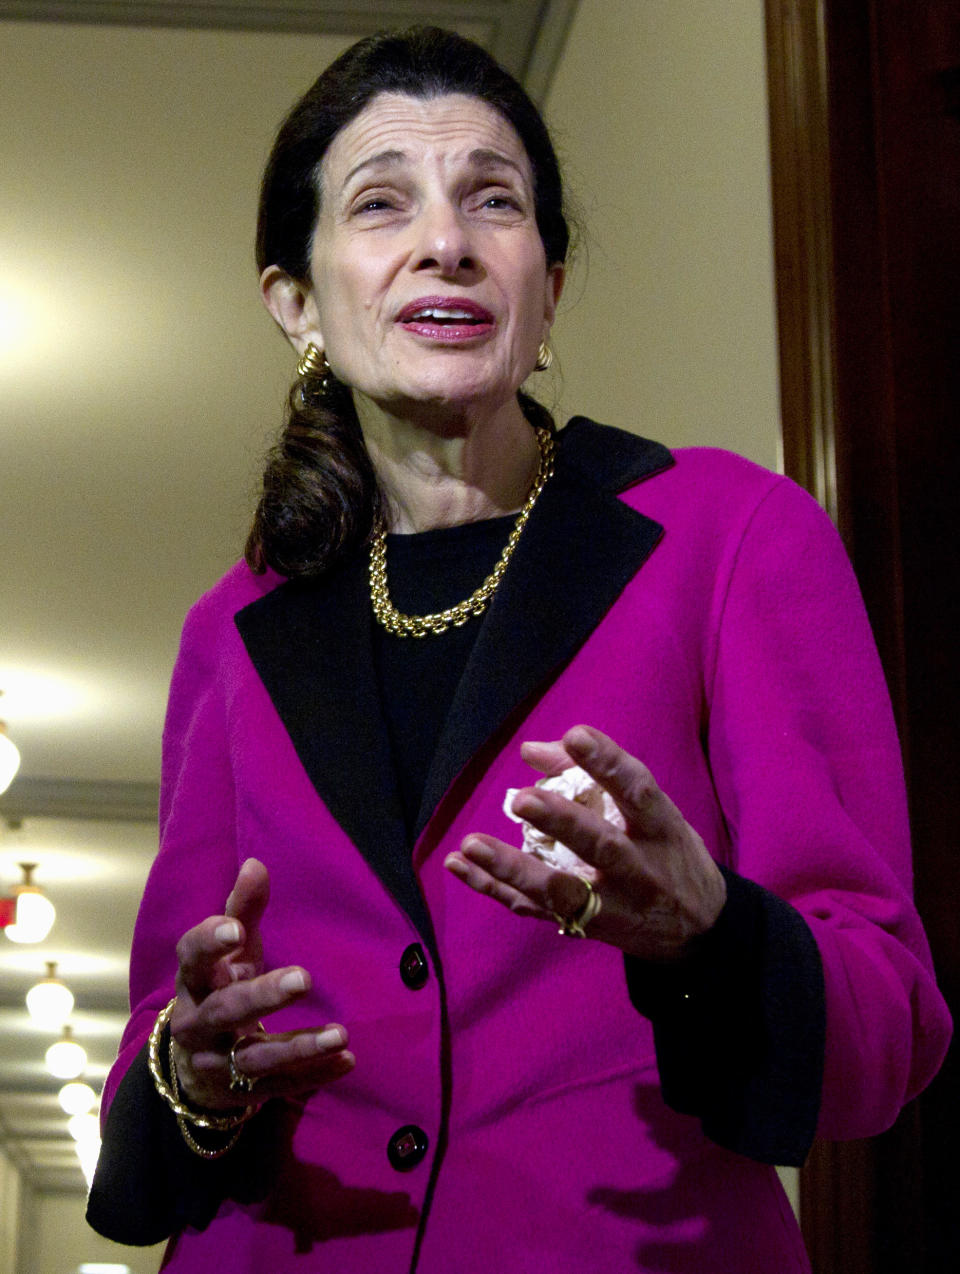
(418, 676)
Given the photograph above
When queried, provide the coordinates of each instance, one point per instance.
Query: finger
(260, 1054)
(202, 955)
(644, 807)
(520, 881)
(598, 842)
(548, 758)
(236, 1008)
(250, 894)
(482, 881)
(280, 1065)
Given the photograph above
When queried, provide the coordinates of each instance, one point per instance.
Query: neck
(443, 472)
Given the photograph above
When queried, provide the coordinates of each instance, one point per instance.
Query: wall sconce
(35, 913)
(49, 1001)
(66, 1059)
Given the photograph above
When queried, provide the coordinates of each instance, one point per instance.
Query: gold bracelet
(205, 1152)
(171, 1094)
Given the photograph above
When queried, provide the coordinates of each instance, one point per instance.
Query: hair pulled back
(320, 494)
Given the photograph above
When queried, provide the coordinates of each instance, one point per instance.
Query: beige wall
(659, 110)
(9, 1215)
(60, 1240)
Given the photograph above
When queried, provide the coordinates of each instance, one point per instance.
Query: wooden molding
(803, 245)
(527, 36)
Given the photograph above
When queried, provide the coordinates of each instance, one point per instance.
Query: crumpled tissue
(576, 785)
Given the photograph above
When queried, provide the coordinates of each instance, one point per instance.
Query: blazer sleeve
(814, 996)
(148, 1183)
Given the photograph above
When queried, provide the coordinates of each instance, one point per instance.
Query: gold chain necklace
(420, 625)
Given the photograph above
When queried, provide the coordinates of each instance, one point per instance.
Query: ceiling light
(35, 912)
(88, 1152)
(76, 1098)
(66, 1058)
(50, 1002)
(84, 1127)
(9, 757)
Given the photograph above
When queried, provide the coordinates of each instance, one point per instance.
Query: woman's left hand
(658, 885)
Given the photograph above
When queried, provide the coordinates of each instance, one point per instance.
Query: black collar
(311, 643)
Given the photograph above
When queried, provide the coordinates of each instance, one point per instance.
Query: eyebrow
(481, 157)
(485, 158)
(384, 159)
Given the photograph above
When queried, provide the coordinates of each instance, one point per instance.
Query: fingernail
(330, 1039)
(293, 981)
(529, 805)
(583, 741)
(227, 932)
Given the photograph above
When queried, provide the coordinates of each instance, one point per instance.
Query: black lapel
(579, 550)
(310, 642)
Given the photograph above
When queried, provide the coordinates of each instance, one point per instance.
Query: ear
(556, 275)
(293, 307)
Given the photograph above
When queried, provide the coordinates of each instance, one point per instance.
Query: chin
(452, 394)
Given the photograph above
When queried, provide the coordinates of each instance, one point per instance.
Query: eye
(489, 197)
(370, 202)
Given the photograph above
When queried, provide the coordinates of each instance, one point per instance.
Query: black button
(406, 1147)
(413, 967)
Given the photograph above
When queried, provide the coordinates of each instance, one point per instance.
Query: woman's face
(429, 279)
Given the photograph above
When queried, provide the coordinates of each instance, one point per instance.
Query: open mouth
(446, 318)
(431, 315)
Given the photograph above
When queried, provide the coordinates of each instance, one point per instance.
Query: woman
(436, 593)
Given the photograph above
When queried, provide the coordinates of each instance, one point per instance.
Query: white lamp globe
(35, 912)
(76, 1098)
(66, 1059)
(84, 1127)
(35, 917)
(88, 1152)
(50, 1002)
(9, 759)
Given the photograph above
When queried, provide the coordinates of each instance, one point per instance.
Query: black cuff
(149, 1184)
(740, 1027)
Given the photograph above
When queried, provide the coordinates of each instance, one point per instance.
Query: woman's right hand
(222, 993)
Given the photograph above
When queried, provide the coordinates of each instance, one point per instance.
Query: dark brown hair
(320, 494)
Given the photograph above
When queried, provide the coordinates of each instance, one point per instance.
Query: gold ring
(240, 1081)
(575, 926)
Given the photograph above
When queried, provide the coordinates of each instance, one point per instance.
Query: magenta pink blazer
(704, 614)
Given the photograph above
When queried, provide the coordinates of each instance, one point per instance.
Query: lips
(446, 318)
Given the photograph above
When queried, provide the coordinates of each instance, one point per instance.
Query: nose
(444, 243)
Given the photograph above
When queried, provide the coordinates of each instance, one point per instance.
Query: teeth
(444, 314)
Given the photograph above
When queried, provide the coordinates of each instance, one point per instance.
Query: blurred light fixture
(35, 913)
(84, 1127)
(76, 1098)
(66, 1059)
(50, 1001)
(88, 1152)
(9, 757)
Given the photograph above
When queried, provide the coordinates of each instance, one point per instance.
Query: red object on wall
(8, 911)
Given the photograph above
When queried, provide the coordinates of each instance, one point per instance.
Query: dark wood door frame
(865, 143)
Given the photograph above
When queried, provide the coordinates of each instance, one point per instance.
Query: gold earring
(313, 362)
(544, 357)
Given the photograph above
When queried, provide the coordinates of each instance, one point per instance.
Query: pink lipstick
(451, 319)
